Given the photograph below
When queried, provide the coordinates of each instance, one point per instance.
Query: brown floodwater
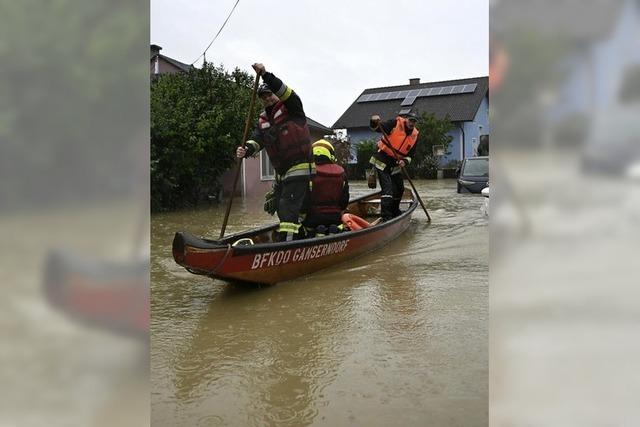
(396, 337)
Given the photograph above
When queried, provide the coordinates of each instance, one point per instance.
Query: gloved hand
(270, 202)
(259, 68)
(371, 178)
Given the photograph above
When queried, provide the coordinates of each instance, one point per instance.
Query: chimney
(155, 49)
(414, 81)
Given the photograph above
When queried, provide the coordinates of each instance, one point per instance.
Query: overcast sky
(330, 51)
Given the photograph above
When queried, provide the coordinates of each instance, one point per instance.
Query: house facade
(464, 101)
(161, 64)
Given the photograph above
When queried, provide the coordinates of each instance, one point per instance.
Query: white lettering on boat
(274, 259)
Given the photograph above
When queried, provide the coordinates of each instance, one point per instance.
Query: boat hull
(272, 263)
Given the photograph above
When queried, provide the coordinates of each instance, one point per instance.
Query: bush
(197, 119)
(426, 167)
(365, 150)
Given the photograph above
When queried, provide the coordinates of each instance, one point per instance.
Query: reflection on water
(396, 337)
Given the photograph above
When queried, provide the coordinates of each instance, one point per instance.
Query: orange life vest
(398, 143)
(286, 141)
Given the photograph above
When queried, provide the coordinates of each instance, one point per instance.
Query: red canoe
(253, 256)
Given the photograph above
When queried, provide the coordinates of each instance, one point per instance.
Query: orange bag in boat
(354, 222)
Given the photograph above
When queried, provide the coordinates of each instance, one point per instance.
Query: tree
(433, 132)
(197, 120)
(341, 146)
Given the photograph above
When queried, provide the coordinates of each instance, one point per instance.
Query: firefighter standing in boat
(330, 193)
(395, 148)
(282, 131)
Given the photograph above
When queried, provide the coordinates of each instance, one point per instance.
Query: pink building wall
(250, 175)
(254, 185)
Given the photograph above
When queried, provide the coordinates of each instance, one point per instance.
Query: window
(475, 167)
(267, 173)
(438, 150)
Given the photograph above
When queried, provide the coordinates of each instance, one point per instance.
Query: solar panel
(409, 96)
(404, 111)
(470, 88)
(409, 100)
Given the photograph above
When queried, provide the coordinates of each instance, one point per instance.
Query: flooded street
(396, 337)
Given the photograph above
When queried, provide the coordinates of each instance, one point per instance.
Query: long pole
(406, 174)
(239, 161)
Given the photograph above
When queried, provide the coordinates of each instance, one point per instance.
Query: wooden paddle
(239, 161)
(404, 171)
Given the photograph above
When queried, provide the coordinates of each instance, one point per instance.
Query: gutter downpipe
(462, 145)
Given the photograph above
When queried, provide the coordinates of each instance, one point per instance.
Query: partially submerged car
(473, 175)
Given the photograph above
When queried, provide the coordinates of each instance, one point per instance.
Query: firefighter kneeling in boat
(329, 194)
(282, 131)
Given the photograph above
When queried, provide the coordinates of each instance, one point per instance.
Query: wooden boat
(253, 256)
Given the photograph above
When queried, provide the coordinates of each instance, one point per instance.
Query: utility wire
(218, 33)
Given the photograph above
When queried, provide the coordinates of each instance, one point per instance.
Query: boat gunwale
(216, 245)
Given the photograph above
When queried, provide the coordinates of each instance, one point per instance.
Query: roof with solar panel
(460, 99)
